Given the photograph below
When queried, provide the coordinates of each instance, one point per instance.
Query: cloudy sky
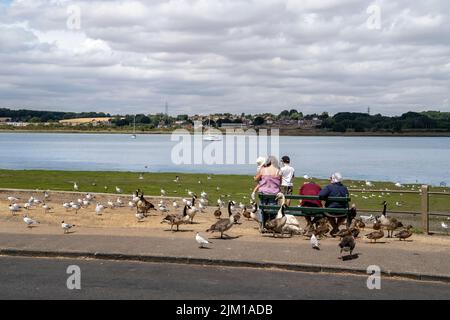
(225, 56)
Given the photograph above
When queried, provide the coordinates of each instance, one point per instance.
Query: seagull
(367, 218)
(201, 241)
(398, 185)
(140, 216)
(306, 177)
(177, 179)
(99, 208)
(27, 206)
(118, 190)
(111, 204)
(444, 226)
(119, 202)
(190, 193)
(67, 206)
(131, 205)
(66, 227)
(204, 194)
(46, 208)
(86, 203)
(163, 193)
(13, 199)
(209, 178)
(175, 205)
(14, 208)
(314, 242)
(75, 186)
(76, 207)
(89, 196)
(30, 222)
(46, 195)
(369, 184)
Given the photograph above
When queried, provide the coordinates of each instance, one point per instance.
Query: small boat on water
(210, 137)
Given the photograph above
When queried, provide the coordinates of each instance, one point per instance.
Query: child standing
(287, 177)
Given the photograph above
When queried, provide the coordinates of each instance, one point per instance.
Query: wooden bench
(312, 212)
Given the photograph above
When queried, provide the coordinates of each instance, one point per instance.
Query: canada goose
(375, 235)
(29, 222)
(347, 244)
(143, 206)
(222, 225)
(232, 211)
(217, 213)
(66, 227)
(404, 234)
(201, 241)
(277, 224)
(389, 223)
(377, 224)
(191, 210)
(254, 212)
(176, 219)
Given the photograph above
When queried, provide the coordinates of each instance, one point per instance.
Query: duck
(323, 228)
(347, 244)
(222, 225)
(176, 219)
(66, 227)
(217, 213)
(375, 235)
(404, 234)
(277, 224)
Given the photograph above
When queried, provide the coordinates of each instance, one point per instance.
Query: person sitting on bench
(334, 189)
(310, 189)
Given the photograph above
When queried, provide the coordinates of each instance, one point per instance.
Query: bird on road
(66, 227)
(201, 241)
(347, 244)
(29, 222)
(314, 242)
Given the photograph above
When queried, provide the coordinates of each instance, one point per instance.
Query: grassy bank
(237, 187)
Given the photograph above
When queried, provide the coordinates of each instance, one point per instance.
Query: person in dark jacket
(335, 189)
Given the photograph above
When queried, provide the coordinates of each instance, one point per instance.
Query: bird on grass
(66, 227)
(118, 190)
(444, 226)
(201, 241)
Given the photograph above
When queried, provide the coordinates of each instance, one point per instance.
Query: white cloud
(211, 56)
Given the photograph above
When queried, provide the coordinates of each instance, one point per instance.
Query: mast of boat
(134, 128)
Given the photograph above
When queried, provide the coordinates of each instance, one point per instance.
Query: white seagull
(75, 186)
(66, 227)
(13, 199)
(118, 190)
(201, 241)
(314, 242)
(163, 193)
(99, 208)
(29, 222)
(175, 205)
(14, 208)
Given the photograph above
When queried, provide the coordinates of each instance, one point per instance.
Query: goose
(347, 244)
(232, 211)
(66, 227)
(246, 214)
(143, 206)
(201, 241)
(191, 211)
(389, 223)
(277, 224)
(222, 225)
(29, 222)
(118, 190)
(375, 235)
(404, 234)
(254, 212)
(315, 244)
(175, 205)
(217, 213)
(176, 219)
(323, 228)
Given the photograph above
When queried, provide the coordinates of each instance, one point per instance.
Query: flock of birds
(185, 212)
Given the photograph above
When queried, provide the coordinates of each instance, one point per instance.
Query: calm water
(404, 159)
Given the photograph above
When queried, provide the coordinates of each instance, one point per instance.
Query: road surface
(45, 278)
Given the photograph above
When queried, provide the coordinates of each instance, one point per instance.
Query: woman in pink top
(269, 178)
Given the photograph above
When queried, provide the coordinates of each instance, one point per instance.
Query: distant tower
(368, 110)
(166, 109)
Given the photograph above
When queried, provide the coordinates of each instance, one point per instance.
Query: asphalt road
(38, 278)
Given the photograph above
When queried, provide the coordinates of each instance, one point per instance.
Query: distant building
(82, 121)
(17, 124)
(309, 124)
(233, 125)
(3, 120)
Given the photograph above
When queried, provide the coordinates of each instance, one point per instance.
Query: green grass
(234, 187)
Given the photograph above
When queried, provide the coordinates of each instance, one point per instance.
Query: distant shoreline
(285, 132)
